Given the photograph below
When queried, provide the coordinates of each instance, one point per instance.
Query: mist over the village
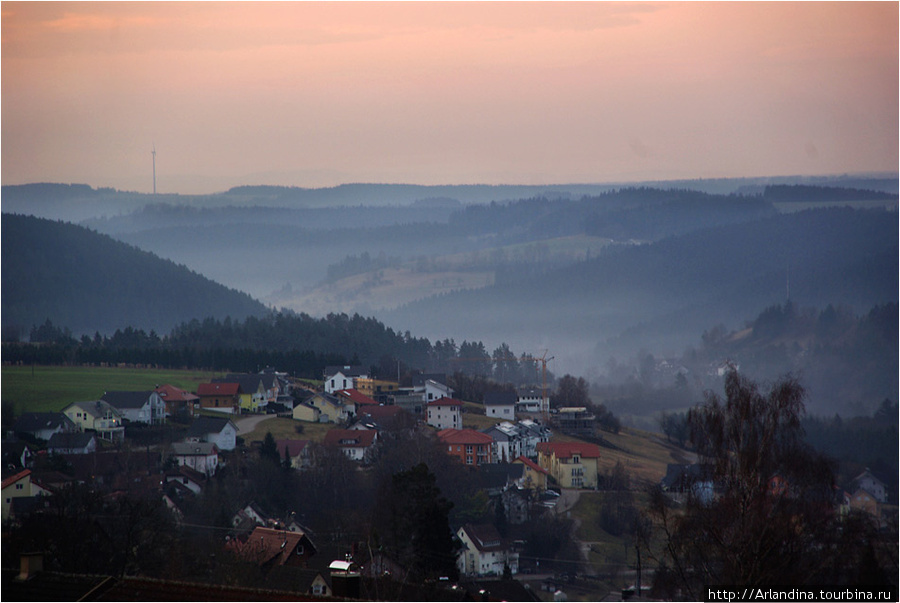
(450, 301)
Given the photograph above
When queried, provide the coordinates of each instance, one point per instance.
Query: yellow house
(571, 464)
(18, 486)
(306, 412)
(252, 393)
(99, 416)
(533, 475)
(331, 408)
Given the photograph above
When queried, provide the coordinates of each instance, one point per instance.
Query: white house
(72, 443)
(507, 441)
(138, 407)
(434, 390)
(501, 405)
(343, 377)
(355, 443)
(484, 552)
(444, 413)
(199, 456)
(871, 484)
(532, 400)
(220, 431)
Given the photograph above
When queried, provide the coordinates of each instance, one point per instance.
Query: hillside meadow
(52, 388)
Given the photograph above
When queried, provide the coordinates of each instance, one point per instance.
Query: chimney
(30, 564)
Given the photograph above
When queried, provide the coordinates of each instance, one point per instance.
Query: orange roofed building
(471, 447)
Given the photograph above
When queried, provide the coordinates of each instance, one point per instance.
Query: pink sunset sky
(317, 94)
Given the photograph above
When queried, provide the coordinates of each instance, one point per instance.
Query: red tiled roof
(265, 544)
(565, 450)
(445, 402)
(464, 436)
(171, 393)
(356, 396)
(218, 389)
(350, 438)
(529, 463)
(294, 447)
(14, 478)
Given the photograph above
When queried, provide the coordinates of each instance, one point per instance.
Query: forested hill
(658, 296)
(90, 282)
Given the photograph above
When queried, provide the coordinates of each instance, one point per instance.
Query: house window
(20, 486)
(468, 449)
(468, 460)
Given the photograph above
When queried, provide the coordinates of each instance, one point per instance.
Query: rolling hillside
(660, 296)
(90, 282)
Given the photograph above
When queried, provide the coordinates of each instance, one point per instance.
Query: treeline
(785, 193)
(297, 343)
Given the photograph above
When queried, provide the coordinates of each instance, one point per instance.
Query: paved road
(248, 423)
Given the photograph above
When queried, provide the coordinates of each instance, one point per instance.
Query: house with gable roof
(178, 401)
(871, 484)
(269, 548)
(357, 444)
(500, 404)
(42, 425)
(220, 431)
(484, 552)
(97, 416)
(220, 397)
(444, 413)
(332, 409)
(355, 399)
(72, 443)
(343, 377)
(297, 451)
(571, 464)
(202, 457)
(253, 394)
(18, 486)
(137, 406)
(533, 475)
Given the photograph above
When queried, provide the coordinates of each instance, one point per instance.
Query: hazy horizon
(313, 95)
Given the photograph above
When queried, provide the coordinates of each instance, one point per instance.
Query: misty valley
(602, 343)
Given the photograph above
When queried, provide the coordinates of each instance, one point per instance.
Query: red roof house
(471, 447)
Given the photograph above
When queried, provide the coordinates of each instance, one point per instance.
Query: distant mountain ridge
(90, 282)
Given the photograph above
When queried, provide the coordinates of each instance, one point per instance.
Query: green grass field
(52, 388)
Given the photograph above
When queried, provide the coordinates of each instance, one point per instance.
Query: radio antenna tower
(153, 152)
